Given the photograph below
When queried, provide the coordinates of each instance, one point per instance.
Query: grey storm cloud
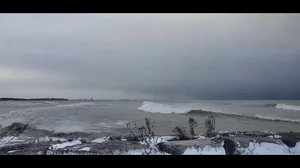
(150, 56)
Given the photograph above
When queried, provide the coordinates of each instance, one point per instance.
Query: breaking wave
(169, 109)
(163, 108)
(287, 107)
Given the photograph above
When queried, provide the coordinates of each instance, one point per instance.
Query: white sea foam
(287, 107)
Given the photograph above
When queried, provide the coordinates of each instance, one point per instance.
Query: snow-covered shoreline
(150, 146)
(13, 141)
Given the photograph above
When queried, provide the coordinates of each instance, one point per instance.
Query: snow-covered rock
(188, 146)
(65, 144)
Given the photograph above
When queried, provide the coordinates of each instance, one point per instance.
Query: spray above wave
(287, 107)
(169, 109)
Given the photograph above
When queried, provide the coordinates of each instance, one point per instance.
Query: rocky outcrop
(290, 138)
(110, 147)
(231, 144)
(21, 139)
(13, 130)
(46, 148)
(178, 147)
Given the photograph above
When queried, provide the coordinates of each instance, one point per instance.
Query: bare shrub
(150, 127)
(181, 133)
(210, 124)
(192, 124)
(143, 132)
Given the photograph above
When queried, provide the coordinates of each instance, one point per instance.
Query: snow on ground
(12, 151)
(43, 139)
(201, 137)
(85, 149)
(207, 150)
(140, 152)
(58, 139)
(268, 132)
(254, 148)
(296, 149)
(100, 140)
(269, 149)
(265, 149)
(11, 140)
(47, 139)
(65, 144)
(153, 141)
(274, 136)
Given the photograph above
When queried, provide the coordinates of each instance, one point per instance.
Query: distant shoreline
(33, 99)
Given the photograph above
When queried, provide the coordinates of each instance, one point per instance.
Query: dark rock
(232, 143)
(178, 147)
(109, 147)
(230, 147)
(290, 138)
(247, 134)
(13, 130)
(255, 133)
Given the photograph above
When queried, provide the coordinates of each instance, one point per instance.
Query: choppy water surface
(110, 117)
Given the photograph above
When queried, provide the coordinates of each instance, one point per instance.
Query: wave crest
(287, 107)
(168, 109)
(163, 108)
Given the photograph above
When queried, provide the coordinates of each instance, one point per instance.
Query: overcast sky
(146, 56)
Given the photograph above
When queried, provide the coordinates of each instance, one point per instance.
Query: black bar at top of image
(213, 6)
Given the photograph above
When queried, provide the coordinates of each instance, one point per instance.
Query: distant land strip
(32, 99)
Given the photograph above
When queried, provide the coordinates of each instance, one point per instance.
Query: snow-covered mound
(269, 149)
